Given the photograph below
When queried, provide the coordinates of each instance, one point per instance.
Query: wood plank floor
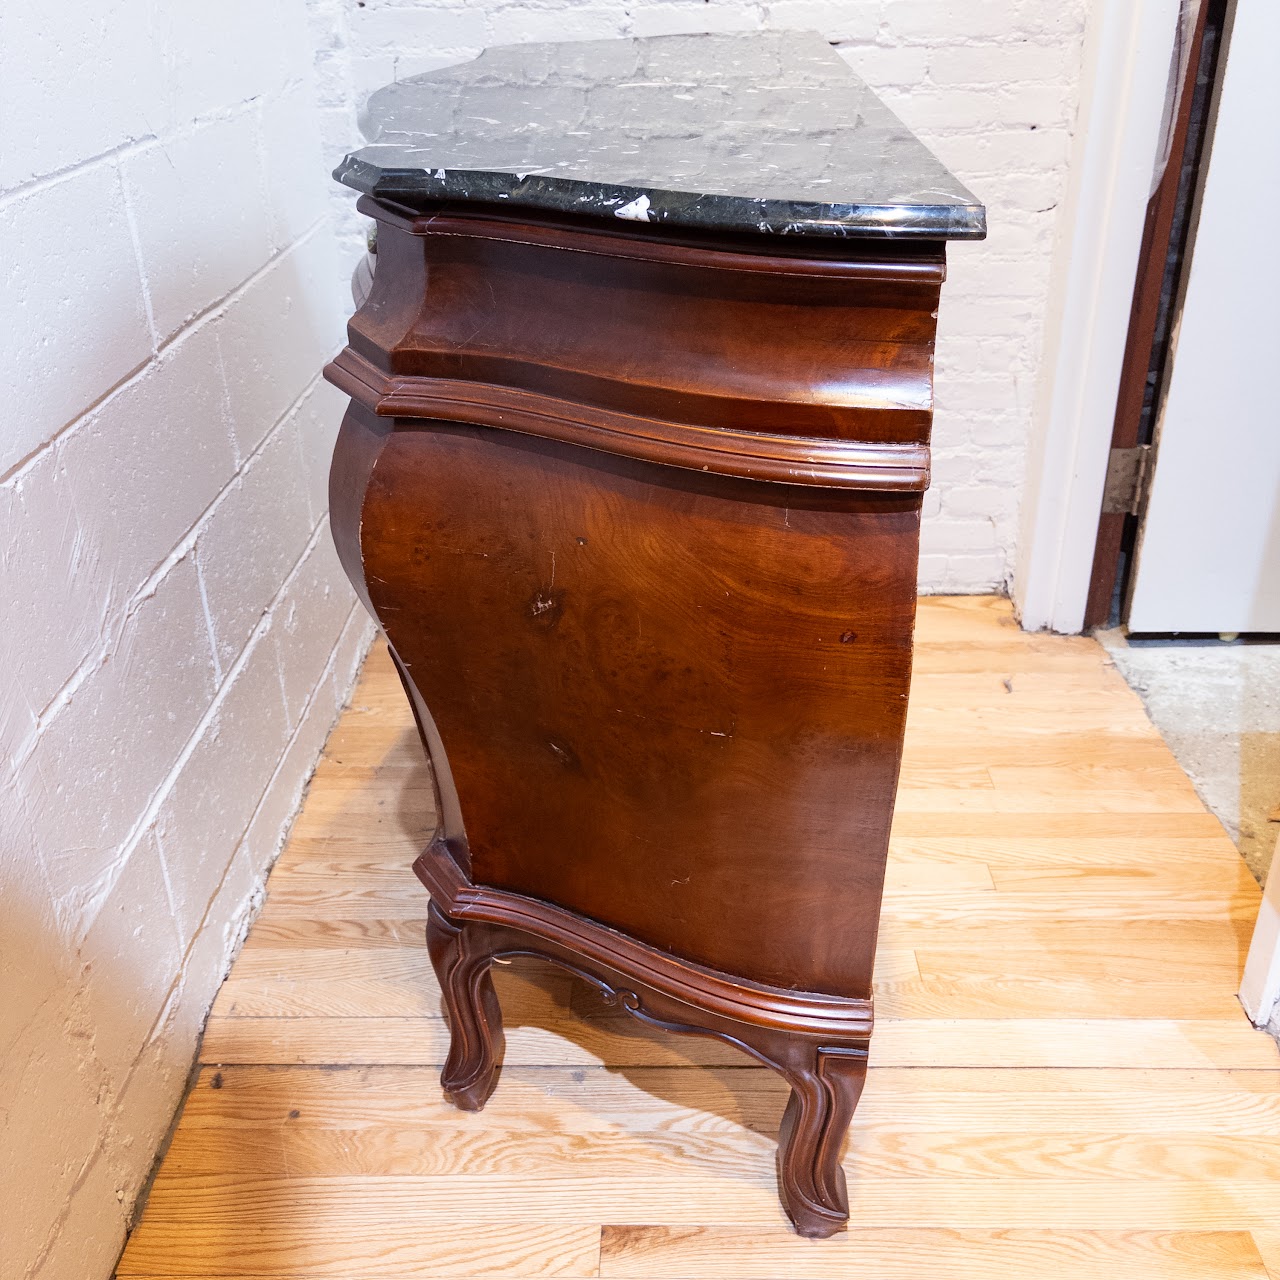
(1063, 1083)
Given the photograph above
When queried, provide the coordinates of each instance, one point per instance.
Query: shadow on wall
(90, 1078)
(177, 638)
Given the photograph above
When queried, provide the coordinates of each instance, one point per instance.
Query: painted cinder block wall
(176, 636)
(990, 85)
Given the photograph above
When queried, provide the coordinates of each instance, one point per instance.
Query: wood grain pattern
(226, 1240)
(557, 1038)
(564, 316)
(960, 1254)
(334, 1207)
(1095, 1124)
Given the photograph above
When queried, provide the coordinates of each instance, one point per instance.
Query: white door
(1208, 556)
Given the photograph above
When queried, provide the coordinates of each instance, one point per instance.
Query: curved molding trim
(806, 1013)
(803, 460)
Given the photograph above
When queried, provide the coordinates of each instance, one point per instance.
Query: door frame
(1125, 76)
(1162, 264)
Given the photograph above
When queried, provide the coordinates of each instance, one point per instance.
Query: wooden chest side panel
(828, 350)
(671, 702)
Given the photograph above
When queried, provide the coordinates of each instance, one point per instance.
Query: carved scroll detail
(826, 1079)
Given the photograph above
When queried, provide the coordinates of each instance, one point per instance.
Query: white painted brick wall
(990, 85)
(175, 634)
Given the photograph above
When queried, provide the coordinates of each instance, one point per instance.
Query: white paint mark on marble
(636, 211)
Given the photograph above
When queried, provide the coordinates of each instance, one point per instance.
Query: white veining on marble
(637, 210)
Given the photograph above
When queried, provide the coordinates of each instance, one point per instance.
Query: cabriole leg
(810, 1179)
(462, 960)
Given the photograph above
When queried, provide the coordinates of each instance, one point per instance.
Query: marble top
(765, 132)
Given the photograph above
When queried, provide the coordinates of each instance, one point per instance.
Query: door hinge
(1127, 472)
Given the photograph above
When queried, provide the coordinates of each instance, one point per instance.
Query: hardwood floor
(1062, 1082)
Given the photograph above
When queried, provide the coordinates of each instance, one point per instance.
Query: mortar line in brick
(254, 904)
(14, 473)
(284, 692)
(220, 306)
(168, 882)
(204, 592)
(219, 115)
(242, 931)
(193, 325)
(264, 180)
(152, 808)
(185, 546)
(42, 181)
(302, 720)
(93, 661)
(131, 221)
(55, 1228)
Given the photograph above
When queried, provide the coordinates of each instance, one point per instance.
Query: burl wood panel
(639, 518)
